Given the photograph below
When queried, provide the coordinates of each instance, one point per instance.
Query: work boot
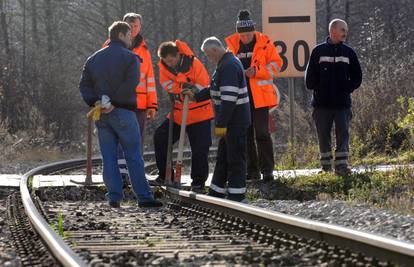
(237, 197)
(213, 193)
(199, 189)
(115, 204)
(159, 181)
(252, 176)
(150, 204)
(343, 171)
(268, 177)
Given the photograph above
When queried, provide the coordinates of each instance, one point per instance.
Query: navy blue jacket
(228, 90)
(111, 71)
(333, 73)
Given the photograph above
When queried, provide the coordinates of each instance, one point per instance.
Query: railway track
(194, 229)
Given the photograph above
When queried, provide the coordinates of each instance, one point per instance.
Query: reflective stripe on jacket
(146, 90)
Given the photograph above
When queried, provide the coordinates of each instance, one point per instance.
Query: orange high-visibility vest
(145, 90)
(197, 75)
(267, 62)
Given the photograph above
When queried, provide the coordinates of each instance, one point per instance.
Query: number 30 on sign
(291, 25)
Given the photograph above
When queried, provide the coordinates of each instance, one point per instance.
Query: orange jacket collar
(233, 41)
(183, 48)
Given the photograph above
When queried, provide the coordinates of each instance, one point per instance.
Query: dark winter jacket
(333, 73)
(228, 90)
(111, 71)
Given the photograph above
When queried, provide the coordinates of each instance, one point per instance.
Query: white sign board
(291, 25)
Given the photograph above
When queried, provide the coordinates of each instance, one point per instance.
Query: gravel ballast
(8, 255)
(357, 216)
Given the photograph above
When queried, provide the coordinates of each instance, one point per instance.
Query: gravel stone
(357, 216)
(8, 255)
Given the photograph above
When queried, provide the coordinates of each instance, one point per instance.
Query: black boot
(252, 176)
(150, 204)
(268, 177)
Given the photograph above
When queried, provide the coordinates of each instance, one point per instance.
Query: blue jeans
(141, 115)
(121, 126)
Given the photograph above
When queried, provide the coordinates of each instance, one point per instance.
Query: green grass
(306, 155)
(30, 182)
(59, 226)
(404, 157)
(392, 190)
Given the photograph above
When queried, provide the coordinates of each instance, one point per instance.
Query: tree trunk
(35, 32)
(175, 20)
(5, 33)
(5, 69)
(328, 13)
(105, 12)
(47, 5)
(347, 6)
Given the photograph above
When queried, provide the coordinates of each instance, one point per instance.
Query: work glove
(151, 112)
(220, 132)
(95, 112)
(250, 72)
(106, 104)
(190, 90)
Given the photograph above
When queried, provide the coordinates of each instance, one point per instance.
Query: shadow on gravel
(73, 193)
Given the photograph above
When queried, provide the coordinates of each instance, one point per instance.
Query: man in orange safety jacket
(261, 62)
(179, 67)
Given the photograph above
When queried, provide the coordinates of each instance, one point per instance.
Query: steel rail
(383, 248)
(380, 247)
(57, 246)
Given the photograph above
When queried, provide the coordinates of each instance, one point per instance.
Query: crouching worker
(179, 68)
(232, 118)
(108, 82)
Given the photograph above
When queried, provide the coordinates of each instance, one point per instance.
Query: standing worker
(179, 68)
(108, 83)
(146, 93)
(333, 73)
(228, 91)
(261, 62)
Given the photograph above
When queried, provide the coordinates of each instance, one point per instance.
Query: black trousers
(325, 119)
(259, 144)
(230, 170)
(199, 135)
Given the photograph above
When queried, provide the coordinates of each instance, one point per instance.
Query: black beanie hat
(244, 23)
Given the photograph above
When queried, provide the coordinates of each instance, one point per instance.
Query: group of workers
(118, 82)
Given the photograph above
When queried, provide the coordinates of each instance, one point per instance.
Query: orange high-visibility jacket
(267, 62)
(146, 90)
(197, 75)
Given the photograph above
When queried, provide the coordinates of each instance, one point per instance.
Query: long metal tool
(88, 179)
(168, 168)
(179, 163)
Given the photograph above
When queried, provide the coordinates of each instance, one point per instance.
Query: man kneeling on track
(108, 83)
(179, 68)
(232, 118)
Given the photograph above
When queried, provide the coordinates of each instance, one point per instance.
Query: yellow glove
(95, 113)
(220, 132)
